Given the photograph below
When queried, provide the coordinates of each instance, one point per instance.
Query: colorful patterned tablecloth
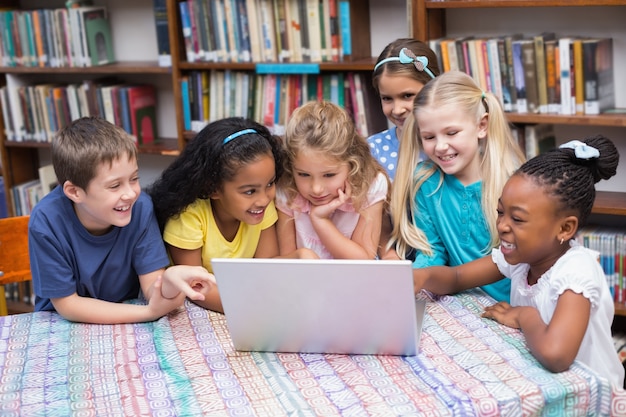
(185, 365)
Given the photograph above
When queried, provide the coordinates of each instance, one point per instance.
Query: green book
(98, 33)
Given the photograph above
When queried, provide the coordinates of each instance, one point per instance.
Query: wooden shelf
(620, 309)
(128, 67)
(608, 202)
(366, 64)
(617, 120)
(465, 4)
(165, 146)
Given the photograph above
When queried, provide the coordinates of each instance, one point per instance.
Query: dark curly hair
(207, 162)
(571, 180)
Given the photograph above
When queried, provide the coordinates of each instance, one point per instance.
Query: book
(232, 31)
(98, 34)
(254, 30)
(4, 209)
(508, 44)
(241, 12)
(163, 38)
(142, 102)
(124, 108)
(47, 178)
(185, 22)
(198, 29)
(345, 26)
(540, 68)
(598, 74)
(553, 89)
(538, 139)
(530, 75)
(184, 95)
(269, 41)
(280, 26)
(566, 80)
(579, 84)
(315, 31)
(520, 79)
(333, 24)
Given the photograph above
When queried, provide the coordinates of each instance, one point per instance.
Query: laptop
(320, 306)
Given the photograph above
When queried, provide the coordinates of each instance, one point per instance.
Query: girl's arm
(286, 231)
(556, 344)
(212, 300)
(450, 280)
(365, 238)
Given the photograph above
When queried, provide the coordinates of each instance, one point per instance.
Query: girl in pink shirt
(332, 196)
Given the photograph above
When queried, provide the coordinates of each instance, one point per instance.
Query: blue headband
(406, 56)
(237, 134)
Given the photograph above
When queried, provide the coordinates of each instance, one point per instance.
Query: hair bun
(605, 166)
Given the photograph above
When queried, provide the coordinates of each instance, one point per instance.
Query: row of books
(266, 30)
(611, 244)
(29, 193)
(544, 73)
(74, 37)
(271, 98)
(37, 112)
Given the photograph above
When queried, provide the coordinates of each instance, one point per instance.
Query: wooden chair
(14, 259)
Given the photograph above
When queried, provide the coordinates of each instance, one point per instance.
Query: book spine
(163, 38)
(530, 76)
(579, 95)
(599, 84)
(185, 20)
(184, 94)
(345, 28)
(520, 80)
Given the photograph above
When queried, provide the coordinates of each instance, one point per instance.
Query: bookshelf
(436, 19)
(360, 60)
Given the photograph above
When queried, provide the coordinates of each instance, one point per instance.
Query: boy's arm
(450, 280)
(93, 310)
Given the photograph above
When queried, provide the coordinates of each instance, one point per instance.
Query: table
(185, 365)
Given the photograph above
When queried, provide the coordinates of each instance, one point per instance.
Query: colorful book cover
(98, 32)
(142, 104)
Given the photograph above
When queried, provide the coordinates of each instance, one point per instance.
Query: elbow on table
(555, 361)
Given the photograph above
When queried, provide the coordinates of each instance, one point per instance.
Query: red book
(142, 106)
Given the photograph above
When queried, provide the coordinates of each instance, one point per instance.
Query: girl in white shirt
(560, 298)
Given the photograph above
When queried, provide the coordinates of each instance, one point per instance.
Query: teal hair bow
(406, 56)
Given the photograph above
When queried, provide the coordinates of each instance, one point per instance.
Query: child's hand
(305, 253)
(194, 281)
(159, 305)
(503, 313)
(325, 211)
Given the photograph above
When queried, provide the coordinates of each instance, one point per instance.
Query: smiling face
(318, 177)
(396, 97)
(531, 226)
(247, 195)
(450, 138)
(109, 197)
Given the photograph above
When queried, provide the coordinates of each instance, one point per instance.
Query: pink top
(345, 218)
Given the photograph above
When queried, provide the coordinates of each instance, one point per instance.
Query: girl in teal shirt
(445, 207)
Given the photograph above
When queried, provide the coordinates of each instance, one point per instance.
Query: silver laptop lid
(321, 306)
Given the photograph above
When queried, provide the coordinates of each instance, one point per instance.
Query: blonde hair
(500, 157)
(325, 127)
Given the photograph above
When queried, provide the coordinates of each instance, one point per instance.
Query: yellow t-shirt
(196, 227)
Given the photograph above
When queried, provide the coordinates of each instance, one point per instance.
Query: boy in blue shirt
(94, 241)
